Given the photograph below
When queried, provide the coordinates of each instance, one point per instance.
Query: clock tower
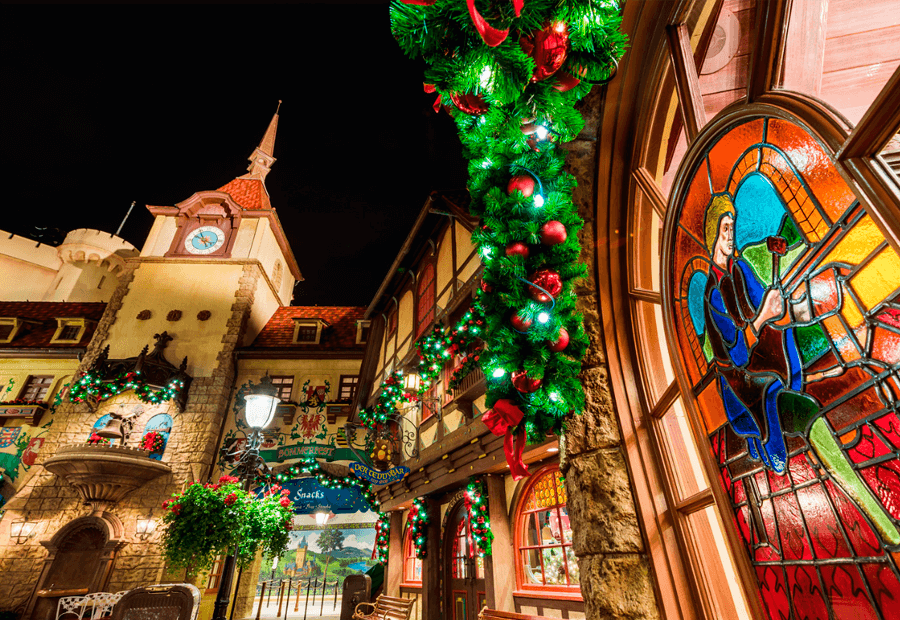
(214, 268)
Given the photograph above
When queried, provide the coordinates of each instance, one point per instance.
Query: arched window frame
(523, 587)
(686, 585)
(410, 561)
(426, 290)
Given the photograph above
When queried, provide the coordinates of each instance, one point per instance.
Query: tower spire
(261, 159)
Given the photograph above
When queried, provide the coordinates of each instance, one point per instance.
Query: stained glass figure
(787, 316)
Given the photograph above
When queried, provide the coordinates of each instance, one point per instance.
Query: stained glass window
(786, 313)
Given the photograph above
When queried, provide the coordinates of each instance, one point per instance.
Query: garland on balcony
(469, 362)
(382, 538)
(475, 500)
(97, 440)
(91, 386)
(310, 467)
(418, 519)
(441, 345)
(510, 75)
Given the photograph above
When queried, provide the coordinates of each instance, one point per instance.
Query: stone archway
(80, 560)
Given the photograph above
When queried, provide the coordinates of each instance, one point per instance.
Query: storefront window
(412, 566)
(544, 535)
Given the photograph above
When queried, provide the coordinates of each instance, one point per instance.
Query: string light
(498, 373)
(543, 317)
(538, 201)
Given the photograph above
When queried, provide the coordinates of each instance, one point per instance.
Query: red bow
(503, 419)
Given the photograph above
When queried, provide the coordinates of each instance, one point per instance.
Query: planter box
(286, 411)
(29, 413)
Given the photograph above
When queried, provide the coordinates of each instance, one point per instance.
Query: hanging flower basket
(207, 519)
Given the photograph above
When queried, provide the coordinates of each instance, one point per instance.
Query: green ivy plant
(205, 520)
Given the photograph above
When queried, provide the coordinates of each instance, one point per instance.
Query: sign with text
(378, 477)
(310, 497)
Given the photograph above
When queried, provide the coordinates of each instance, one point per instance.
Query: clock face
(204, 240)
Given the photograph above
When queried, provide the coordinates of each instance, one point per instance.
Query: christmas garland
(510, 76)
(97, 440)
(475, 500)
(311, 467)
(382, 538)
(390, 396)
(470, 362)
(418, 519)
(91, 386)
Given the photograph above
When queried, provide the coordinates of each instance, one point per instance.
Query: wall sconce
(22, 530)
(411, 382)
(145, 526)
(322, 518)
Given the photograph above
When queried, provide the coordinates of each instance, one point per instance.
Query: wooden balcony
(30, 414)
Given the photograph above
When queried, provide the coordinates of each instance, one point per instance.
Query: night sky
(105, 105)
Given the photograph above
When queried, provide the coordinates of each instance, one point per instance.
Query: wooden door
(463, 567)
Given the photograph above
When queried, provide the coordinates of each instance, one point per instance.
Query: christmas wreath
(382, 538)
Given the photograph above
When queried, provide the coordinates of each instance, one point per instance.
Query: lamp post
(258, 412)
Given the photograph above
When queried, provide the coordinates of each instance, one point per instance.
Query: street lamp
(258, 412)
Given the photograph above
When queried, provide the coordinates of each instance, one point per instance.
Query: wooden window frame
(305, 324)
(409, 561)
(215, 572)
(391, 321)
(569, 592)
(280, 386)
(425, 316)
(678, 569)
(66, 322)
(363, 329)
(354, 386)
(15, 324)
(28, 384)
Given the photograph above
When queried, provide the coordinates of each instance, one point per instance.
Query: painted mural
(787, 317)
(333, 553)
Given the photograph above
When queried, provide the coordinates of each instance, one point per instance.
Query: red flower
(285, 492)
(230, 499)
(165, 504)
(228, 480)
(285, 502)
(176, 509)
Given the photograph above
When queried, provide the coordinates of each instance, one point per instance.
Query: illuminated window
(545, 559)
(347, 388)
(36, 387)
(285, 385)
(412, 566)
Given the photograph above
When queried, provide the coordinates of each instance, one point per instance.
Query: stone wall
(190, 453)
(615, 572)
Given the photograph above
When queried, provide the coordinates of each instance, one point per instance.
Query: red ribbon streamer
(502, 420)
(491, 36)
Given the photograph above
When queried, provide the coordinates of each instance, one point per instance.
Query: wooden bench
(386, 608)
(494, 614)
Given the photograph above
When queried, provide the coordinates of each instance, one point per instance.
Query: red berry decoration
(553, 232)
(561, 342)
(548, 48)
(548, 280)
(520, 323)
(523, 183)
(487, 288)
(517, 248)
(523, 383)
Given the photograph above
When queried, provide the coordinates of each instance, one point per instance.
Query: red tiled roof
(38, 333)
(249, 193)
(341, 333)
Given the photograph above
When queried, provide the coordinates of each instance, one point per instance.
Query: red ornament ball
(523, 183)
(561, 342)
(548, 48)
(523, 383)
(519, 322)
(473, 105)
(553, 232)
(548, 280)
(487, 288)
(517, 248)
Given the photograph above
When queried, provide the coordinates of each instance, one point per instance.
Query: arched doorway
(463, 567)
(80, 560)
